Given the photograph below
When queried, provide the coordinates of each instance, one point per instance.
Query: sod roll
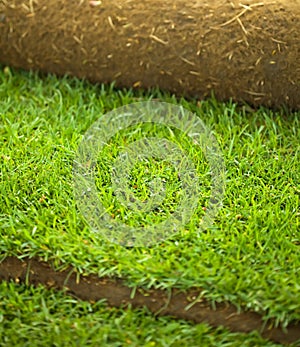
(247, 50)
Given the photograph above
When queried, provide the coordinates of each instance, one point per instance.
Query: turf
(250, 256)
(40, 317)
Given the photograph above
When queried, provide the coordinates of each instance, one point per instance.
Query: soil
(244, 50)
(159, 302)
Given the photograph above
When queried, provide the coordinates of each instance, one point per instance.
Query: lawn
(249, 256)
(48, 318)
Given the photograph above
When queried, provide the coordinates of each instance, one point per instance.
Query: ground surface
(250, 257)
(170, 303)
(41, 317)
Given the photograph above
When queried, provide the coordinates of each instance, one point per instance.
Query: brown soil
(245, 50)
(92, 288)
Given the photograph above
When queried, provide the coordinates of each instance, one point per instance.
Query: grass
(142, 191)
(250, 256)
(39, 317)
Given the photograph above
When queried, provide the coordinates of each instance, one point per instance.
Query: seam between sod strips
(189, 306)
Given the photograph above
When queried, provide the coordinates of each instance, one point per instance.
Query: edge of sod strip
(181, 305)
(248, 52)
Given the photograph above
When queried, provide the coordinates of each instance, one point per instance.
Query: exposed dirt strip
(177, 304)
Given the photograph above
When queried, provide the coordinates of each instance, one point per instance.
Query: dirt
(247, 51)
(159, 302)
(244, 50)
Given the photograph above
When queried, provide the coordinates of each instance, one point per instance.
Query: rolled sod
(245, 50)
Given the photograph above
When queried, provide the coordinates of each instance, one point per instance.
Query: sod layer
(189, 305)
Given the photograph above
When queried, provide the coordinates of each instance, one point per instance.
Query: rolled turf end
(247, 51)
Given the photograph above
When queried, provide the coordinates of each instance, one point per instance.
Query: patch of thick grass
(250, 255)
(39, 317)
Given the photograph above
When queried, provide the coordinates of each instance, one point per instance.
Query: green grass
(39, 317)
(143, 201)
(250, 256)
